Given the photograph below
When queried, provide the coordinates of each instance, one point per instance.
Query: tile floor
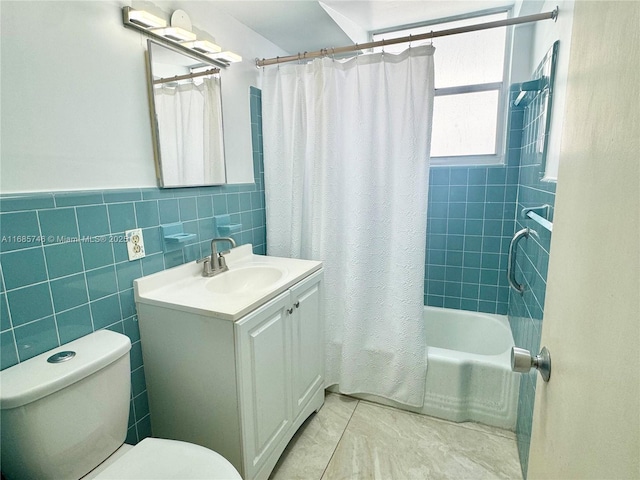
(356, 439)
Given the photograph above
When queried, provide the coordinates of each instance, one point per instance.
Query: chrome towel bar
(538, 214)
(513, 250)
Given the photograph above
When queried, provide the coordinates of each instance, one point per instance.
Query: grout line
(48, 280)
(340, 439)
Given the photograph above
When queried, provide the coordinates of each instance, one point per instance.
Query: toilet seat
(155, 458)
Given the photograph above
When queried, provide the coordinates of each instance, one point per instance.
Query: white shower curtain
(346, 148)
(190, 122)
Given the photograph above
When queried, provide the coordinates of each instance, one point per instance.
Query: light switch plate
(135, 243)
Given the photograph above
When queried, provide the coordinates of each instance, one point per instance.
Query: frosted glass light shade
(146, 19)
(175, 33)
(228, 57)
(203, 46)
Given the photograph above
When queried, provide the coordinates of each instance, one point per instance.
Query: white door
(587, 418)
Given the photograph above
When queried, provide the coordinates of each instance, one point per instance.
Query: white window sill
(467, 161)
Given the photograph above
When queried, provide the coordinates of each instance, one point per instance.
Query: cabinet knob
(297, 304)
(290, 310)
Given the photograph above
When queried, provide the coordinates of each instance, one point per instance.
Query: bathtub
(469, 375)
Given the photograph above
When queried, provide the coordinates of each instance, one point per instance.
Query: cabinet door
(264, 356)
(307, 340)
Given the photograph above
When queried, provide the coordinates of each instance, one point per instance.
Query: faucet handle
(222, 262)
(206, 268)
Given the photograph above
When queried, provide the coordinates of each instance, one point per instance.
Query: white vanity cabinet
(280, 367)
(240, 387)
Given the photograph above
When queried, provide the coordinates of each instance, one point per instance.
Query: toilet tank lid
(36, 378)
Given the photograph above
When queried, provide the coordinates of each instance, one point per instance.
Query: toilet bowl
(65, 415)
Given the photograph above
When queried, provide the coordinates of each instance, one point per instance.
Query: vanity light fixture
(177, 35)
(203, 46)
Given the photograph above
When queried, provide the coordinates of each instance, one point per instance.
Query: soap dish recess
(180, 237)
(224, 227)
(174, 233)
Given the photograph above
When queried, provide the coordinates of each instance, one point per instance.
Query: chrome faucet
(216, 263)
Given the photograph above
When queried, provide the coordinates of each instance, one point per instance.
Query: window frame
(499, 157)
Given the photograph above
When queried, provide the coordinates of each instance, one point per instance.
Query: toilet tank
(61, 420)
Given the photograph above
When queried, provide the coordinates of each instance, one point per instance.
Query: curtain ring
(383, 46)
(333, 54)
(431, 39)
(410, 40)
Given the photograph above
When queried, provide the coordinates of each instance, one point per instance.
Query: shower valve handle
(522, 361)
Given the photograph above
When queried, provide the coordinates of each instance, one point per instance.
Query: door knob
(522, 361)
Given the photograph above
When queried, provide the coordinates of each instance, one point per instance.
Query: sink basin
(251, 281)
(245, 279)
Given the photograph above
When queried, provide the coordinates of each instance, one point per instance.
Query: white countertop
(184, 288)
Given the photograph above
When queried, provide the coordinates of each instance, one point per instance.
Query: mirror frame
(155, 131)
(547, 67)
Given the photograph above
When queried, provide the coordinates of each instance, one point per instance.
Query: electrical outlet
(135, 243)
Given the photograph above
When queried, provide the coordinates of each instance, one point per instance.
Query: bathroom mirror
(186, 116)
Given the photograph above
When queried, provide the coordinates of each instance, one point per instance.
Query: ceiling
(308, 25)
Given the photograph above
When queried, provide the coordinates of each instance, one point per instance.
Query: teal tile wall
(470, 222)
(526, 311)
(64, 271)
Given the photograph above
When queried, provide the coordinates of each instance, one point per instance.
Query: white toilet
(68, 420)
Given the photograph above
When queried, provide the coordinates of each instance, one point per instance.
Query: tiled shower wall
(65, 272)
(526, 310)
(470, 222)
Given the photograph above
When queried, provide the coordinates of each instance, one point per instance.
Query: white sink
(251, 281)
(245, 279)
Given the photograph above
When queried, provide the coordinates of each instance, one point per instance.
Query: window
(470, 77)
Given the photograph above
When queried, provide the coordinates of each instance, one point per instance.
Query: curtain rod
(212, 71)
(411, 38)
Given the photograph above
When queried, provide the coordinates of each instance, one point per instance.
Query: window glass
(464, 124)
(463, 59)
